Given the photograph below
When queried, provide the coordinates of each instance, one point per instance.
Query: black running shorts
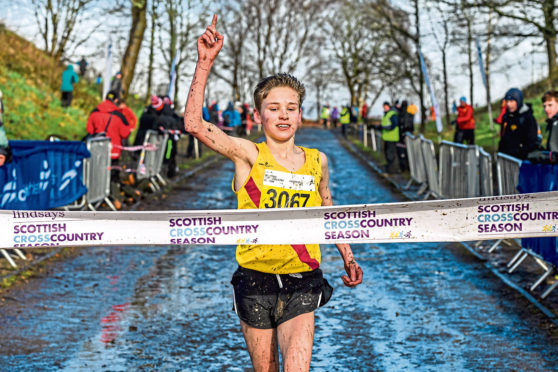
(264, 300)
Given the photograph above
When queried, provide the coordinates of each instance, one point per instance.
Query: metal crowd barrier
(466, 171)
(507, 173)
(96, 175)
(431, 167)
(459, 170)
(485, 169)
(375, 138)
(151, 159)
(416, 162)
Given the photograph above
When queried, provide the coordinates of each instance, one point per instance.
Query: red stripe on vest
(304, 256)
(253, 192)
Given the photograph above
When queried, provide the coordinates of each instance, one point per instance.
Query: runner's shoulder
(247, 150)
(323, 159)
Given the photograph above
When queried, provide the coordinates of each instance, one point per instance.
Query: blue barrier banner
(540, 178)
(43, 175)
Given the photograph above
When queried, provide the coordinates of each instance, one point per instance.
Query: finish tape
(510, 216)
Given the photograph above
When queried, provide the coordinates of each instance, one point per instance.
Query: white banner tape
(512, 216)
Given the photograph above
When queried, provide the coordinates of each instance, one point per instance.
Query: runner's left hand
(354, 272)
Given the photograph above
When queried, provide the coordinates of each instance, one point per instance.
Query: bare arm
(354, 272)
(237, 149)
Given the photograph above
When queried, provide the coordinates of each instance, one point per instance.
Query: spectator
(4, 148)
(345, 119)
(240, 129)
(334, 117)
(99, 84)
(390, 136)
(148, 119)
(324, 115)
(107, 118)
(231, 117)
(116, 84)
(214, 113)
(364, 113)
(412, 109)
(550, 103)
(500, 117)
(173, 123)
(248, 118)
(82, 66)
(69, 78)
(519, 127)
(465, 123)
(354, 114)
(405, 122)
(454, 107)
(129, 115)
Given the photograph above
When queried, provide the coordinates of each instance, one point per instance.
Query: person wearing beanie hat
(516, 95)
(167, 101)
(465, 128)
(519, 132)
(153, 117)
(157, 103)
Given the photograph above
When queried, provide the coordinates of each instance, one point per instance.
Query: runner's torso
(270, 185)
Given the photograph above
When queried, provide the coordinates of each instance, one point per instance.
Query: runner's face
(279, 113)
(550, 107)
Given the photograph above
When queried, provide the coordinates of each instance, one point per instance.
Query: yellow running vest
(270, 185)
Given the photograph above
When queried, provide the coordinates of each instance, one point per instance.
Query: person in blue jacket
(231, 117)
(69, 78)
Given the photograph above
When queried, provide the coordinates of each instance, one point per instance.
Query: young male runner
(276, 287)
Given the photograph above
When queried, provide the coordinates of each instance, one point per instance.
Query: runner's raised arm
(236, 149)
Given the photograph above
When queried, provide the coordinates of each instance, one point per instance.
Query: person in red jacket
(108, 118)
(465, 128)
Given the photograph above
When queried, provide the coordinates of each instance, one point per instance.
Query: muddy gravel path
(421, 306)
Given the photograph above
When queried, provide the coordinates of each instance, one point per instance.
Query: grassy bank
(30, 82)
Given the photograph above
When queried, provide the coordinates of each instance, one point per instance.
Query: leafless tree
(58, 20)
(178, 31)
(137, 29)
(407, 39)
(281, 32)
(234, 65)
(534, 18)
(442, 35)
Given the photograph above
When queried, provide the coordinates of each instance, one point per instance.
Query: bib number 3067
(284, 200)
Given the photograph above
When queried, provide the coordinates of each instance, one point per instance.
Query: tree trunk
(470, 62)
(421, 76)
(487, 69)
(137, 29)
(551, 55)
(446, 88)
(151, 51)
(549, 35)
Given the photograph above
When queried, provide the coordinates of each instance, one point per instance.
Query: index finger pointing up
(214, 21)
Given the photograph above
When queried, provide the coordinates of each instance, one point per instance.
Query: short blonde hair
(274, 81)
